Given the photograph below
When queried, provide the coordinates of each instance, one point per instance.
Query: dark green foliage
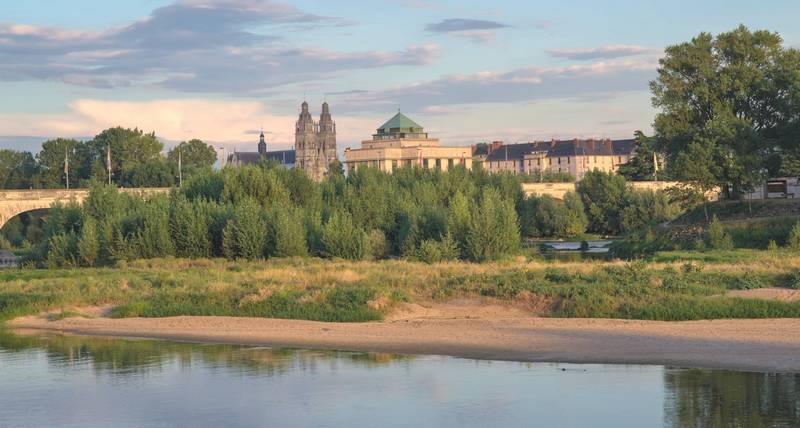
(493, 230)
(717, 237)
(341, 238)
(793, 242)
(543, 216)
(288, 233)
(603, 195)
(728, 106)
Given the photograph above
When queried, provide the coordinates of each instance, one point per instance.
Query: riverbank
(677, 286)
(491, 333)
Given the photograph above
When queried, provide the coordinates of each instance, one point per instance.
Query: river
(66, 381)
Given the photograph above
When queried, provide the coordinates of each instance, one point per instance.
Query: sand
(771, 293)
(481, 331)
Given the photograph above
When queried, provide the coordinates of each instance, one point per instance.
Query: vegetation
(728, 109)
(136, 161)
(675, 286)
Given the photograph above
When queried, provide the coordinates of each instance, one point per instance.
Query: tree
(51, 163)
(17, 169)
(641, 166)
(493, 228)
(728, 103)
(717, 237)
(89, 243)
(574, 221)
(341, 238)
(195, 155)
(288, 233)
(603, 194)
(129, 149)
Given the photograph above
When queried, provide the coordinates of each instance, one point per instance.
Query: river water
(65, 381)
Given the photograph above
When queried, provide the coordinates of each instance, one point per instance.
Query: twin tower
(315, 142)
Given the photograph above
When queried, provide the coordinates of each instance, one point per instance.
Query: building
(401, 142)
(8, 260)
(283, 157)
(315, 142)
(576, 157)
(314, 146)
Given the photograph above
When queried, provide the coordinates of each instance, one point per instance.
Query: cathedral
(314, 146)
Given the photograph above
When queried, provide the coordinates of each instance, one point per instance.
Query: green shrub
(717, 237)
(341, 238)
(433, 251)
(793, 242)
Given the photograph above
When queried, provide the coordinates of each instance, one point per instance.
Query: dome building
(401, 142)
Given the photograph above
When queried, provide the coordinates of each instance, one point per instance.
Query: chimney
(495, 145)
(608, 144)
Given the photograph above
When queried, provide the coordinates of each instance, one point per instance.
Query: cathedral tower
(314, 143)
(326, 138)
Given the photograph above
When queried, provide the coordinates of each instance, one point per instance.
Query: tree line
(136, 161)
(263, 211)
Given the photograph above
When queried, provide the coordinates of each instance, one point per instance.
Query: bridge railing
(58, 194)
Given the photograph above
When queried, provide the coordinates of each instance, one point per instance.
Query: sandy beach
(482, 332)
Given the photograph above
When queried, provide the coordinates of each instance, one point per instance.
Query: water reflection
(55, 380)
(128, 357)
(731, 399)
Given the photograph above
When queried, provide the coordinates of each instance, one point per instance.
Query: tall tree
(51, 163)
(17, 169)
(130, 148)
(736, 98)
(641, 167)
(195, 156)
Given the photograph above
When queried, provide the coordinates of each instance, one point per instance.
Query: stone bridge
(16, 202)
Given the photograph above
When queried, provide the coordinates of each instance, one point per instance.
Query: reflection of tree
(142, 356)
(705, 398)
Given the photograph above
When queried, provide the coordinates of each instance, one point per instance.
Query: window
(567, 160)
(450, 163)
(394, 165)
(438, 164)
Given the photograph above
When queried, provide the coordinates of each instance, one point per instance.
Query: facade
(315, 142)
(314, 146)
(576, 157)
(8, 260)
(283, 157)
(402, 142)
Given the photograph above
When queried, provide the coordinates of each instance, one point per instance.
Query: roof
(564, 148)
(281, 156)
(286, 157)
(6, 254)
(400, 121)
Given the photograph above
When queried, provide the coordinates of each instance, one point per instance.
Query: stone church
(314, 146)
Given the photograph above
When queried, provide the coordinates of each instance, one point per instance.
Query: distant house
(576, 157)
(8, 260)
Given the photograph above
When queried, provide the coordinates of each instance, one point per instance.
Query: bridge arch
(16, 202)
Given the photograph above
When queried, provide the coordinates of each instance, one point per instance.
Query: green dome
(400, 123)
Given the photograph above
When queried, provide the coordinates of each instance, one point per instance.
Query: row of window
(396, 163)
(550, 161)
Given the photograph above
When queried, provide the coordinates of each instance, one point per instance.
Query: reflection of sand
(781, 294)
(486, 332)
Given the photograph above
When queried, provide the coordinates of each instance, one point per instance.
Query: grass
(676, 285)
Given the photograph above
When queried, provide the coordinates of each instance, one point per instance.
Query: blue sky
(468, 71)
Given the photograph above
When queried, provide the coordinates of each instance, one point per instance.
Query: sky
(468, 71)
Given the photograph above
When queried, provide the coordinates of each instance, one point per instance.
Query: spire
(262, 143)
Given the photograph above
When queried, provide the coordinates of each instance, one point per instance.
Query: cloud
(472, 29)
(223, 46)
(225, 122)
(458, 24)
(592, 81)
(604, 52)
